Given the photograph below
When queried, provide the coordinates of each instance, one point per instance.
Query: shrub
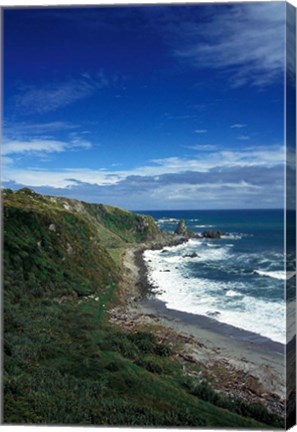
(147, 343)
(150, 365)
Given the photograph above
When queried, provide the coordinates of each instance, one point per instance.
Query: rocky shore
(240, 364)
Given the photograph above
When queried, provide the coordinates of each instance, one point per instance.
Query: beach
(241, 364)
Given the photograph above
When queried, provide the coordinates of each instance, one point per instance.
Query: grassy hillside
(63, 362)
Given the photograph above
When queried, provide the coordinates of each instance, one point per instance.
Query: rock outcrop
(192, 255)
(182, 230)
(212, 234)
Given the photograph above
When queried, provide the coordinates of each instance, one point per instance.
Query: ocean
(238, 280)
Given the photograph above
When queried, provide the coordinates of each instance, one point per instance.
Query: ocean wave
(276, 274)
(232, 236)
(231, 293)
(214, 254)
(221, 299)
(217, 246)
(203, 226)
(167, 220)
(191, 243)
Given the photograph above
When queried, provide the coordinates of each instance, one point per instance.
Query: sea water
(238, 279)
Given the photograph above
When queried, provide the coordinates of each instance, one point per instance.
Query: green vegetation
(63, 362)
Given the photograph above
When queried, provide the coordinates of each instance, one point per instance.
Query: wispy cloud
(243, 137)
(237, 126)
(200, 131)
(218, 188)
(21, 129)
(208, 179)
(33, 146)
(46, 98)
(203, 147)
(246, 41)
(42, 146)
(202, 162)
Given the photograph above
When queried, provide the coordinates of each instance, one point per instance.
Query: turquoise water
(238, 279)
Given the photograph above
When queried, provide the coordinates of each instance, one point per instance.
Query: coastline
(243, 365)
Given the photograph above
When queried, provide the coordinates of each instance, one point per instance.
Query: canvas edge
(290, 212)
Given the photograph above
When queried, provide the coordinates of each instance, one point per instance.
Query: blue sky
(149, 107)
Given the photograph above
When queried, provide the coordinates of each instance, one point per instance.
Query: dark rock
(213, 314)
(212, 234)
(181, 228)
(164, 251)
(192, 255)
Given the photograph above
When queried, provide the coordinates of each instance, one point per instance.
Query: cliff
(60, 246)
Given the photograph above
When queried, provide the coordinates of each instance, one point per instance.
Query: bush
(121, 413)
(163, 350)
(147, 343)
(256, 411)
(150, 365)
(120, 343)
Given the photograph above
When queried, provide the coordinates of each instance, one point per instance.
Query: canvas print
(149, 223)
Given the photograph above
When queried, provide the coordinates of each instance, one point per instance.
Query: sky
(147, 107)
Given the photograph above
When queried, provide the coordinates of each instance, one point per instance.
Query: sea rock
(164, 251)
(213, 313)
(181, 228)
(192, 255)
(212, 234)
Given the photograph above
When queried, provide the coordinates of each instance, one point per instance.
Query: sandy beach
(241, 364)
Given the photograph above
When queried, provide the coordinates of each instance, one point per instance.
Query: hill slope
(64, 363)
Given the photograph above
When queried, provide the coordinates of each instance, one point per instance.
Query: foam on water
(203, 226)
(232, 236)
(165, 220)
(280, 275)
(231, 293)
(227, 301)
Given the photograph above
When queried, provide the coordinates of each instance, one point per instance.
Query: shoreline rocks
(182, 230)
(192, 255)
(229, 376)
(213, 234)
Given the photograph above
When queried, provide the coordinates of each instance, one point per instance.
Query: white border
(20, 3)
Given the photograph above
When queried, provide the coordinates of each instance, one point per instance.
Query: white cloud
(203, 147)
(237, 126)
(42, 146)
(247, 39)
(24, 128)
(59, 179)
(201, 131)
(46, 98)
(191, 192)
(268, 156)
(32, 146)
